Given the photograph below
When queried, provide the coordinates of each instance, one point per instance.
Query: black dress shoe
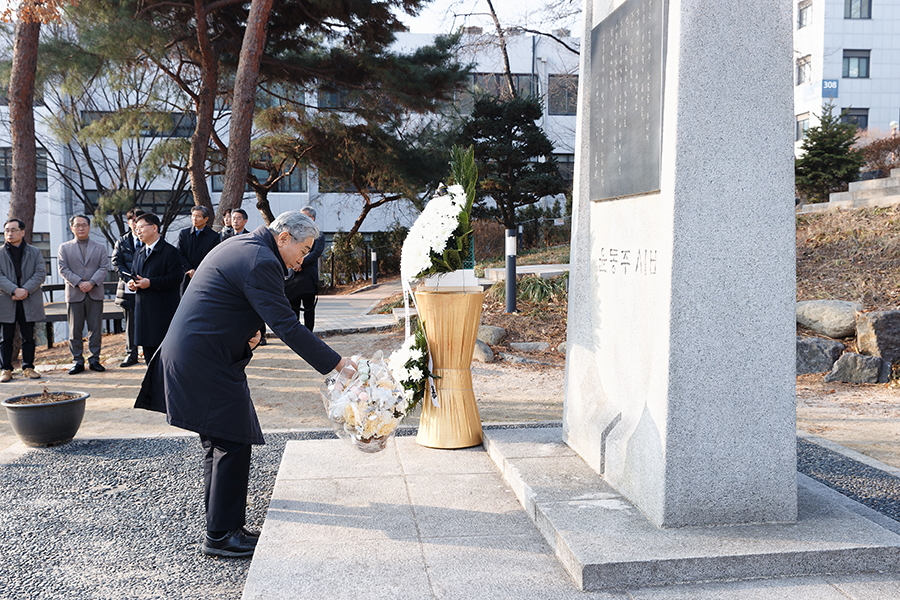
(252, 536)
(235, 544)
(131, 360)
(96, 367)
(262, 342)
(76, 369)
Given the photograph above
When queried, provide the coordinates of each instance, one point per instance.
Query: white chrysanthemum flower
(431, 232)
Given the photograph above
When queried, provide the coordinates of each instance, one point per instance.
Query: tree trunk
(21, 119)
(205, 112)
(507, 71)
(242, 107)
(262, 204)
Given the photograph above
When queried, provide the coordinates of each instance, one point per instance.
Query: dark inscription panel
(627, 54)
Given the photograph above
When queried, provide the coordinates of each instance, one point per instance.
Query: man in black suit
(157, 276)
(123, 261)
(197, 378)
(195, 242)
(302, 287)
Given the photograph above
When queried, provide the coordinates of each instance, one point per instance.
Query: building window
(41, 170)
(566, 166)
(804, 70)
(802, 127)
(804, 14)
(340, 99)
(41, 241)
(494, 83)
(295, 182)
(157, 202)
(857, 9)
(562, 94)
(856, 116)
(856, 64)
(182, 126)
(6, 170)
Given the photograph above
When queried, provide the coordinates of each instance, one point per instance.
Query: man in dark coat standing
(157, 275)
(123, 261)
(195, 242)
(197, 377)
(302, 287)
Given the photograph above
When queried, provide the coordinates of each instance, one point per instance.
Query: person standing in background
(123, 261)
(195, 242)
(158, 275)
(83, 264)
(302, 287)
(227, 229)
(22, 272)
(238, 223)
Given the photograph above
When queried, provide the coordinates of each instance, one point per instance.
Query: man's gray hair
(295, 223)
(309, 211)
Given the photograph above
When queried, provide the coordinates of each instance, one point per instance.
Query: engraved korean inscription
(627, 67)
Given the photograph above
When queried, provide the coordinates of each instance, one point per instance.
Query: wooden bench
(56, 311)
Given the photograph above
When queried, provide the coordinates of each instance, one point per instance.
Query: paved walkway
(349, 313)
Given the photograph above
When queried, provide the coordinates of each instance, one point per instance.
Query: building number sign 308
(618, 261)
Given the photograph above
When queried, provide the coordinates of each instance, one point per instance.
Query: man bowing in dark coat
(197, 377)
(157, 270)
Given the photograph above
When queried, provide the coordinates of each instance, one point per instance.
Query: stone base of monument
(605, 543)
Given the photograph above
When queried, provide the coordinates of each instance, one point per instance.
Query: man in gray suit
(22, 272)
(83, 263)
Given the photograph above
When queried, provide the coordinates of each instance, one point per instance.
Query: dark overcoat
(197, 377)
(194, 248)
(156, 305)
(123, 260)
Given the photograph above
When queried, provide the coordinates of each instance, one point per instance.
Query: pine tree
(829, 161)
(507, 144)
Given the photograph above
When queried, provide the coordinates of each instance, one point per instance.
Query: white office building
(847, 52)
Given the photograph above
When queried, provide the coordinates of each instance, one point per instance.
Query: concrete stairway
(862, 194)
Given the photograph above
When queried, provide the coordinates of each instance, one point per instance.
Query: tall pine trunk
(242, 107)
(21, 120)
(205, 101)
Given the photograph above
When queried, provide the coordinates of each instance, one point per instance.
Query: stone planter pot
(45, 423)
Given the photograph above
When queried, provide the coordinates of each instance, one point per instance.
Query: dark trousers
(8, 334)
(307, 304)
(149, 351)
(226, 475)
(130, 346)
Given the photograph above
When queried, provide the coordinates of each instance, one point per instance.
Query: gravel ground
(867, 485)
(123, 518)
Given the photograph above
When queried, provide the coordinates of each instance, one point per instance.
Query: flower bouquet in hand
(365, 405)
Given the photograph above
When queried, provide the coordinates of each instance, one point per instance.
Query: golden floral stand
(451, 322)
